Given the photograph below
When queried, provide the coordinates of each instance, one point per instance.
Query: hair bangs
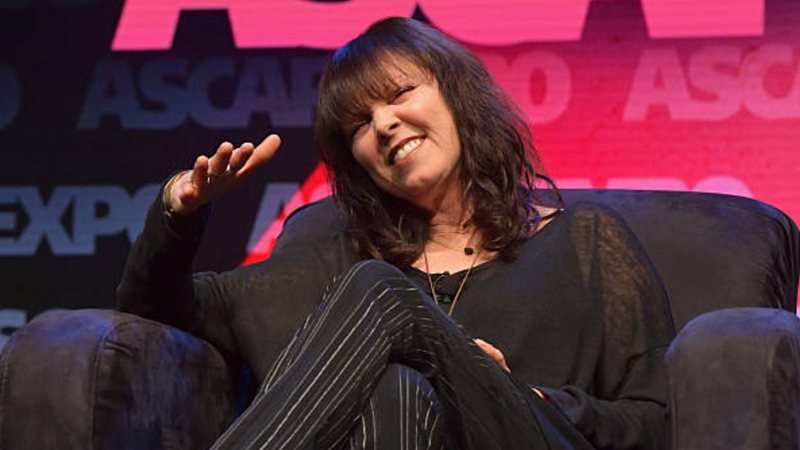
(354, 85)
(366, 69)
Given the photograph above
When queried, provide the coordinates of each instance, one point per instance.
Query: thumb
(262, 153)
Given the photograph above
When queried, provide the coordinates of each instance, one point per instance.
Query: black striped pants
(380, 365)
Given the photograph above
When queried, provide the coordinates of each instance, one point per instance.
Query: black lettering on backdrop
(165, 92)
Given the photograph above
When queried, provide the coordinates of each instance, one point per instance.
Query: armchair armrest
(734, 378)
(97, 379)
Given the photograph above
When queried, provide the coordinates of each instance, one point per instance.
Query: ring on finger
(233, 169)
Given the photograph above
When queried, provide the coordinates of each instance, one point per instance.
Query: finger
(188, 193)
(200, 172)
(485, 346)
(262, 153)
(219, 162)
(494, 353)
(538, 392)
(240, 156)
(503, 365)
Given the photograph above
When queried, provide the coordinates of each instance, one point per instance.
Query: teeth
(411, 145)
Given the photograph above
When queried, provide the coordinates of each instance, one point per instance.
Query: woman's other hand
(493, 353)
(212, 177)
(498, 358)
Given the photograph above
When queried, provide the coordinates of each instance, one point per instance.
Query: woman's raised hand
(212, 177)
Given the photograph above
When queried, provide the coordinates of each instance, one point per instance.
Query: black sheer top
(581, 313)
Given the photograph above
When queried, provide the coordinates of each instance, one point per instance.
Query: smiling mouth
(400, 152)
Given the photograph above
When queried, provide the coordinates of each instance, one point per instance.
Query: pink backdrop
(651, 94)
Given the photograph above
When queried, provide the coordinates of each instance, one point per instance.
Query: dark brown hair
(497, 154)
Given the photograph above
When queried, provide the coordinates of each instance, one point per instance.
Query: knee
(400, 382)
(372, 269)
(369, 276)
(402, 412)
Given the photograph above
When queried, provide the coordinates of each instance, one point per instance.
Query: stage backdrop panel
(101, 100)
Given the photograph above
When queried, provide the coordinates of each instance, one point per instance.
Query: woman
(446, 259)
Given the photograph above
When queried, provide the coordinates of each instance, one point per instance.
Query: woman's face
(407, 141)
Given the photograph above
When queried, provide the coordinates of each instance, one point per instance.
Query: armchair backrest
(713, 251)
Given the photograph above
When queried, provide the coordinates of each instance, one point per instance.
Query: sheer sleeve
(625, 408)
(158, 282)
(248, 313)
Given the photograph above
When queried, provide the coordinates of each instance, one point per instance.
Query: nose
(385, 120)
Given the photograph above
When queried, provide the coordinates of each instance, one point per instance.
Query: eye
(357, 126)
(400, 92)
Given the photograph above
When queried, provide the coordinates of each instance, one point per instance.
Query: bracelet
(167, 192)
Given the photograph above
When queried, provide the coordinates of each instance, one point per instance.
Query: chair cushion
(94, 379)
(734, 381)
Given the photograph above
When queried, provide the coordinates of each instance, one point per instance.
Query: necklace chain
(460, 286)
